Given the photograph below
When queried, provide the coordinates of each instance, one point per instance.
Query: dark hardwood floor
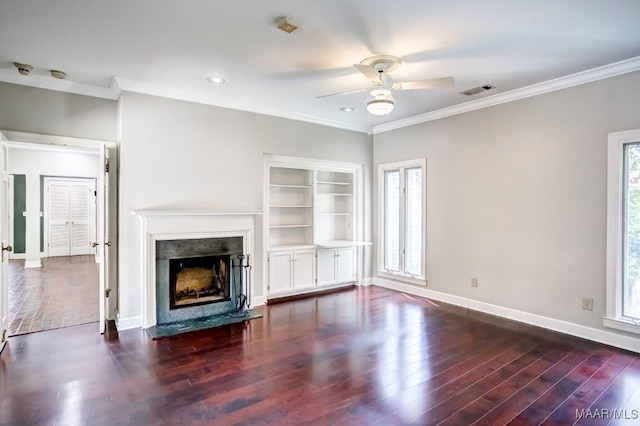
(367, 356)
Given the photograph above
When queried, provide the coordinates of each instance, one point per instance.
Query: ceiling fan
(374, 68)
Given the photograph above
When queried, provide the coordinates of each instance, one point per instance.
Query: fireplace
(160, 233)
(199, 280)
(196, 278)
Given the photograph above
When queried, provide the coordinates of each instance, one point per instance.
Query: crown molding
(41, 82)
(145, 88)
(588, 76)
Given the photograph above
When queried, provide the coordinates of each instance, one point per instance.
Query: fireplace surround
(158, 227)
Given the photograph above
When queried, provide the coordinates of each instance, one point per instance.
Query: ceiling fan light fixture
(382, 104)
(216, 80)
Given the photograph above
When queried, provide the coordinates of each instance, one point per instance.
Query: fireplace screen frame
(219, 273)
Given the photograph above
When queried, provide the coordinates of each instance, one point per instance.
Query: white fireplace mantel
(184, 224)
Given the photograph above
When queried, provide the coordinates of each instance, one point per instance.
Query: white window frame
(402, 165)
(615, 229)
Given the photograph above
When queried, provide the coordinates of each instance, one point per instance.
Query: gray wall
(516, 196)
(186, 156)
(32, 110)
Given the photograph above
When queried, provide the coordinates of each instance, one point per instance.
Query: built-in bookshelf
(311, 222)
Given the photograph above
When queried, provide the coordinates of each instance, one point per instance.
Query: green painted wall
(19, 206)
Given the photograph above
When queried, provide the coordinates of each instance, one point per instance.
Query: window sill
(621, 325)
(410, 279)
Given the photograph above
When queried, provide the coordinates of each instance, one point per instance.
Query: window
(623, 232)
(402, 188)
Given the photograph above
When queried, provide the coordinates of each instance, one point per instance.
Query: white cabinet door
(303, 269)
(326, 266)
(280, 272)
(345, 264)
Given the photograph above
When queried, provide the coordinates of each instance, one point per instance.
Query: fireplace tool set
(242, 286)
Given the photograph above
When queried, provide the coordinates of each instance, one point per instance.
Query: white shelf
(292, 206)
(288, 247)
(278, 185)
(335, 214)
(289, 226)
(342, 194)
(341, 243)
(324, 182)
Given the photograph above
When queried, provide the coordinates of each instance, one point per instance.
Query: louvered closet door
(80, 239)
(69, 217)
(59, 211)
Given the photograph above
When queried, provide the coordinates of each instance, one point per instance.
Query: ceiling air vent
(477, 90)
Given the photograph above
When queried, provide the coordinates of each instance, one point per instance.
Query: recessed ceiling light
(347, 109)
(215, 80)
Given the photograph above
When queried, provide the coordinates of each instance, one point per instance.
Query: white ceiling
(169, 48)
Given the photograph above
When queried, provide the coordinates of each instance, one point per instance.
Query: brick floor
(62, 293)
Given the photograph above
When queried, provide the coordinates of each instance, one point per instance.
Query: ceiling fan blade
(343, 93)
(432, 83)
(369, 72)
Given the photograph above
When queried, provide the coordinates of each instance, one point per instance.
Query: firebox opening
(199, 280)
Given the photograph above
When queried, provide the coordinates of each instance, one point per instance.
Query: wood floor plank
(366, 356)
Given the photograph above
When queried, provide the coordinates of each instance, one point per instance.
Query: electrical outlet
(587, 304)
(474, 282)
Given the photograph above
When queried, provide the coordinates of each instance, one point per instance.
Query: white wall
(186, 156)
(32, 110)
(38, 162)
(516, 196)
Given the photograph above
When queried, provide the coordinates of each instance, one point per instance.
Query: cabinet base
(282, 299)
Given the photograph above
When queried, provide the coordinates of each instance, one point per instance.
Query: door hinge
(4, 335)
(107, 292)
(106, 165)
(268, 259)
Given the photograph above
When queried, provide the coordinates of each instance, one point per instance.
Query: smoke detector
(477, 90)
(285, 24)
(23, 69)
(58, 74)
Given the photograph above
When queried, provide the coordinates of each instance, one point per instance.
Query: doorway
(58, 274)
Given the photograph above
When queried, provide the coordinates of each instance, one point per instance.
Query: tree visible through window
(631, 269)
(402, 188)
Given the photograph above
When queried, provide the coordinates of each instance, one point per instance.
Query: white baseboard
(258, 300)
(17, 256)
(367, 281)
(128, 322)
(601, 336)
(32, 264)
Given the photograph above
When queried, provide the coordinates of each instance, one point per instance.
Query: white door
(303, 269)
(326, 266)
(280, 277)
(346, 265)
(4, 235)
(102, 242)
(69, 212)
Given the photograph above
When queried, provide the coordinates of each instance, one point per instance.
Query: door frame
(108, 305)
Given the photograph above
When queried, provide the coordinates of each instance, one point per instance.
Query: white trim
(127, 323)
(401, 166)
(120, 84)
(33, 264)
(600, 336)
(170, 225)
(67, 86)
(626, 326)
(258, 301)
(62, 141)
(595, 74)
(615, 226)
(150, 213)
